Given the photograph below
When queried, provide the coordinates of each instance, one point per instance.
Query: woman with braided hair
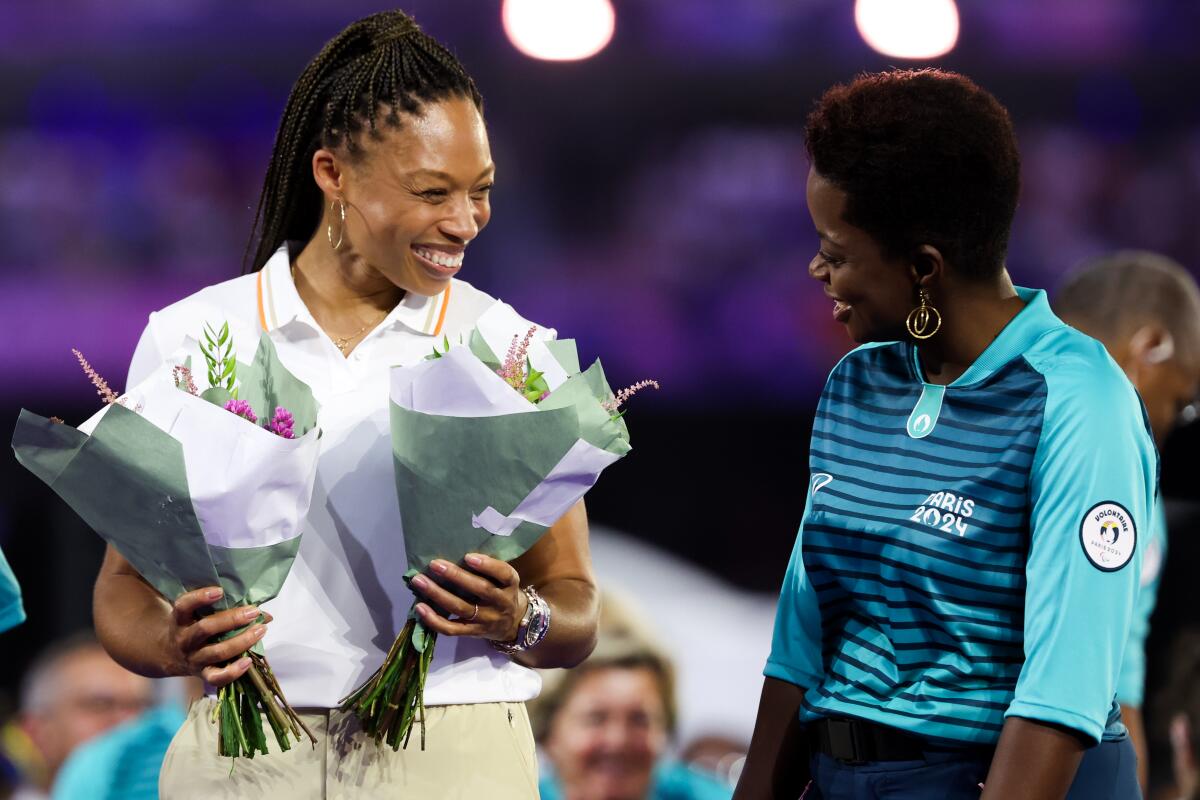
(379, 179)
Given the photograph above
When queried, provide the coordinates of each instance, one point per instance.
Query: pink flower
(282, 423)
(242, 409)
(513, 368)
(183, 379)
(611, 406)
(102, 388)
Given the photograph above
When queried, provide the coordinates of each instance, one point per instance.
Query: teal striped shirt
(970, 552)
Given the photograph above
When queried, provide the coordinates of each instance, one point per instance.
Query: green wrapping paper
(479, 468)
(134, 480)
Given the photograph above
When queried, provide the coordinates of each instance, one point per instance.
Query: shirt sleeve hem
(785, 672)
(1042, 713)
(11, 615)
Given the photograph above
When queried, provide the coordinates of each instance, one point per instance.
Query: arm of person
(1092, 488)
(1034, 760)
(559, 566)
(777, 763)
(1131, 684)
(1132, 717)
(146, 634)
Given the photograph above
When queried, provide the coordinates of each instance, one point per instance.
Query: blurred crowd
(175, 210)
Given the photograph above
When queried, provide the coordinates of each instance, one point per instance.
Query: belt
(856, 741)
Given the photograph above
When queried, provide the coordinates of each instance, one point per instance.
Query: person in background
(606, 725)
(72, 692)
(963, 581)
(124, 763)
(1178, 701)
(12, 612)
(1145, 309)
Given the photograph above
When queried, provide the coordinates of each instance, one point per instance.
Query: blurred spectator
(1145, 309)
(605, 726)
(1179, 701)
(12, 613)
(72, 692)
(123, 763)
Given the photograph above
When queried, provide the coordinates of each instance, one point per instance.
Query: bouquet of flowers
(194, 492)
(488, 454)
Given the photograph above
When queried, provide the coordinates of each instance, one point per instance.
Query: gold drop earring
(921, 317)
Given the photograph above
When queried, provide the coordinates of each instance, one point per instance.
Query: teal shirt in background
(671, 781)
(1131, 684)
(12, 612)
(122, 764)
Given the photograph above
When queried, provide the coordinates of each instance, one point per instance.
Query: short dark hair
(1113, 295)
(925, 157)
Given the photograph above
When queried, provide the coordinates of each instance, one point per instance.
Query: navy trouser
(1107, 772)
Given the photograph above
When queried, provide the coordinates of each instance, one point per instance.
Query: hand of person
(481, 598)
(1187, 776)
(191, 637)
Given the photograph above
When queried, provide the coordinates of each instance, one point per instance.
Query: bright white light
(908, 28)
(559, 30)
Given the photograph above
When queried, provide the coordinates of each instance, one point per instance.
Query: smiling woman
(379, 180)
(954, 612)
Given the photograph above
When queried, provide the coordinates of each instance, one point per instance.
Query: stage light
(913, 29)
(559, 30)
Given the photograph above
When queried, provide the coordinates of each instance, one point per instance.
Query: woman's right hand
(191, 635)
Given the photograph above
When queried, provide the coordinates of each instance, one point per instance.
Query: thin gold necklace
(343, 342)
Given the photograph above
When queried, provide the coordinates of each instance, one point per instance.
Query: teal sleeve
(12, 612)
(676, 781)
(124, 762)
(1131, 684)
(1091, 490)
(796, 643)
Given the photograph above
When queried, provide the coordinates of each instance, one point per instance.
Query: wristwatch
(533, 628)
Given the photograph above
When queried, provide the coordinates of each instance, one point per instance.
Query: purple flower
(282, 423)
(242, 409)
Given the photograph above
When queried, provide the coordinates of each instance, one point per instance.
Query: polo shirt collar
(279, 303)
(1017, 337)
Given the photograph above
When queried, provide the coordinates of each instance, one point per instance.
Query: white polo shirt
(344, 601)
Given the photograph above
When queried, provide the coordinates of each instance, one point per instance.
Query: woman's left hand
(483, 598)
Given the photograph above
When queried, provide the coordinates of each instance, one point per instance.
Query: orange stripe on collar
(262, 315)
(442, 315)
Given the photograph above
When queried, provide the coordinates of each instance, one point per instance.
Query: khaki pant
(483, 750)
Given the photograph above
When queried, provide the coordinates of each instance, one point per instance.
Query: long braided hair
(384, 61)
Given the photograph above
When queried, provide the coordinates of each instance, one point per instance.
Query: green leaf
(420, 637)
(217, 395)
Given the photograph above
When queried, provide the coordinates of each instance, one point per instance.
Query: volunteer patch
(1108, 536)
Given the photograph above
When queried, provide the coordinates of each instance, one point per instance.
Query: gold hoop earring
(341, 204)
(921, 317)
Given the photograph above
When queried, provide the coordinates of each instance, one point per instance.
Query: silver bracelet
(533, 628)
